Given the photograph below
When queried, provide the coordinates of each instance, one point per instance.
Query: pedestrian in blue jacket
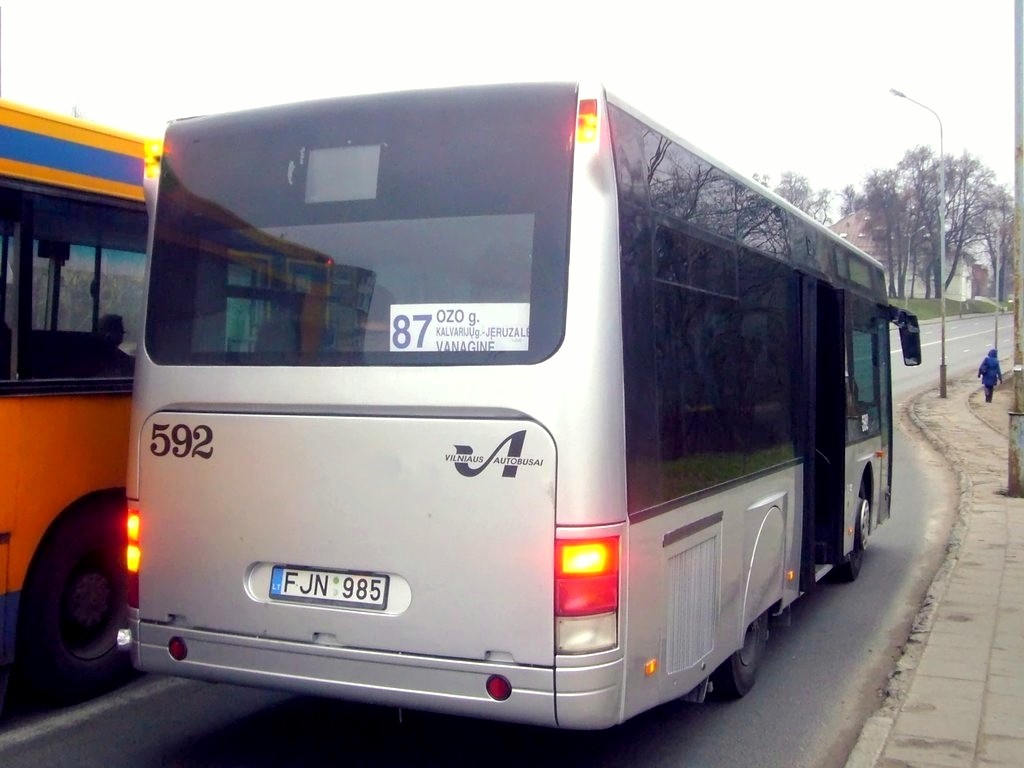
(989, 373)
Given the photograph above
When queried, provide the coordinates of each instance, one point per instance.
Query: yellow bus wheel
(72, 605)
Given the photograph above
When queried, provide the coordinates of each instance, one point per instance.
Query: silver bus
(496, 401)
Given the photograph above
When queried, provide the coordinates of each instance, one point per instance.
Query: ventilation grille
(693, 605)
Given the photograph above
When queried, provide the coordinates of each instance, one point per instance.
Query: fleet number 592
(181, 440)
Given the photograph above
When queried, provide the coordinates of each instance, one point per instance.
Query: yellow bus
(72, 253)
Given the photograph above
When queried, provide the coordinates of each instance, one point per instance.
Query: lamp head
(894, 92)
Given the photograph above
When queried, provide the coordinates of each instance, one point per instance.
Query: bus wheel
(73, 603)
(737, 674)
(849, 570)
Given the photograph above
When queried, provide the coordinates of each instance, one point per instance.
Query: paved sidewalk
(960, 701)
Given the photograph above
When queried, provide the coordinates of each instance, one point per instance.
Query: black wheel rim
(753, 642)
(87, 608)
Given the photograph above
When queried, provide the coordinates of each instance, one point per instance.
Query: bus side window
(6, 299)
(65, 340)
(87, 271)
(112, 360)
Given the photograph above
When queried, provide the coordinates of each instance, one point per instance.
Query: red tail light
(586, 595)
(586, 576)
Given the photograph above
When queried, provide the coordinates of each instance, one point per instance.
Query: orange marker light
(134, 554)
(134, 557)
(586, 121)
(650, 667)
(133, 527)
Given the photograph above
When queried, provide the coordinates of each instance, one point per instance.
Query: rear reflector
(498, 688)
(177, 648)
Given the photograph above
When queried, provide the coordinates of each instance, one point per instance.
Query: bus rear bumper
(449, 686)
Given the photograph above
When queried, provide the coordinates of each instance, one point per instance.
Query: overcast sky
(765, 86)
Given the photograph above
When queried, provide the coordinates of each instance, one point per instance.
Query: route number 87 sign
(460, 327)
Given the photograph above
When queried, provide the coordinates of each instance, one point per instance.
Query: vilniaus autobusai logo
(470, 464)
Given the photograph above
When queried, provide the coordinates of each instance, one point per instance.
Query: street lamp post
(942, 238)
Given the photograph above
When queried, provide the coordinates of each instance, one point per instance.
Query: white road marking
(49, 724)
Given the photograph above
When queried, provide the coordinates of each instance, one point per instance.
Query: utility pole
(1015, 484)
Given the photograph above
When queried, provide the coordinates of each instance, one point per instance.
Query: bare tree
(885, 207)
(968, 189)
(849, 200)
(796, 189)
(903, 206)
(821, 206)
(997, 236)
(919, 181)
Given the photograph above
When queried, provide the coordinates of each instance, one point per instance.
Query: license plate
(307, 585)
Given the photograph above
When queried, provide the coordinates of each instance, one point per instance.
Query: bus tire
(736, 675)
(73, 603)
(849, 569)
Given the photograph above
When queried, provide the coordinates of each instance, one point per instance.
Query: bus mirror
(910, 335)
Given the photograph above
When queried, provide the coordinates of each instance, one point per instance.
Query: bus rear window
(410, 229)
